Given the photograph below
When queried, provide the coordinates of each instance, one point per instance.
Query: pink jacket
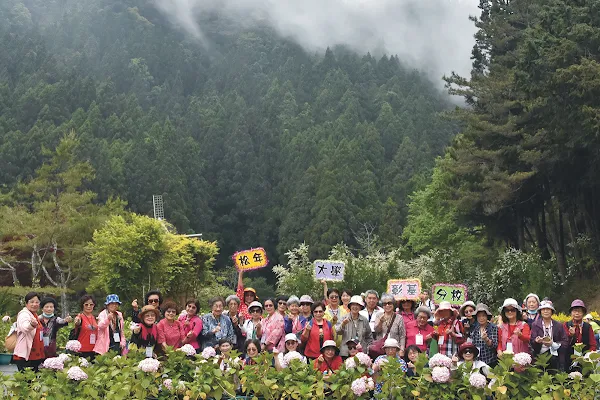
(25, 334)
(103, 339)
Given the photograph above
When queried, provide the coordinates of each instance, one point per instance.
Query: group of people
(324, 332)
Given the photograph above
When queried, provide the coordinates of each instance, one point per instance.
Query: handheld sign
(456, 294)
(329, 270)
(406, 289)
(247, 260)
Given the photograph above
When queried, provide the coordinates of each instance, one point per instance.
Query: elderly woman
(334, 312)
(291, 344)
(145, 335)
(170, 330)
(215, 325)
(549, 336)
(354, 326)
(110, 327)
(392, 350)
(316, 332)
(291, 321)
(329, 361)
(153, 298)
(237, 320)
(246, 296)
(467, 317)
(513, 332)
(50, 325)
(252, 327)
(532, 304)
(273, 330)
(86, 327)
(192, 324)
(306, 303)
(449, 329)
(29, 350)
(469, 353)
(579, 331)
(484, 335)
(407, 310)
(389, 323)
(418, 332)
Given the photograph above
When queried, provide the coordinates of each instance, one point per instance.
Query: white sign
(329, 270)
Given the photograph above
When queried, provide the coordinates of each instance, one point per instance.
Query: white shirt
(376, 312)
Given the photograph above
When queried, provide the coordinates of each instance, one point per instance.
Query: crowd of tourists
(324, 332)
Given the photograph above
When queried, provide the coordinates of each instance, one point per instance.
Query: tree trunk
(13, 271)
(561, 258)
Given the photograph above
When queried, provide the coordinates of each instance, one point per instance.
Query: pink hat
(445, 305)
(578, 303)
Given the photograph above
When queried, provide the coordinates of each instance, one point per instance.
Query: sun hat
(306, 299)
(112, 298)
(466, 304)
(356, 300)
(148, 309)
(255, 304)
(291, 337)
(578, 303)
(466, 346)
(546, 304)
(483, 308)
(512, 303)
(389, 342)
(330, 343)
(445, 305)
(293, 299)
(531, 295)
(252, 290)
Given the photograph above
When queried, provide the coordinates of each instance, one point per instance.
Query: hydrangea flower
(188, 349)
(370, 383)
(54, 363)
(64, 357)
(83, 362)
(168, 383)
(292, 355)
(440, 374)
(73, 345)
(6, 318)
(115, 358)
(149, 365)
(133, 326)
(181, 386)
(359, 387)
(477, 380)
(576, 375)
(364, 359)
(523, 359)
(440, 360)
(76, 374)
(208, 353)
(350, 363)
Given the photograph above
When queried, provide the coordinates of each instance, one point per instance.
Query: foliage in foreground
(180, 376)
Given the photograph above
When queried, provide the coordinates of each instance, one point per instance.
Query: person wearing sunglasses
(388, 324)
(354, 326)
(468, 353)
(513, 332)
(291, 344)
(251, 351)
(467, 317)
(86, 327)
(153, 298)
(246, 296)
(252, 327)
(273, 329)
(317, 331)
(334, 312)
(306, 303)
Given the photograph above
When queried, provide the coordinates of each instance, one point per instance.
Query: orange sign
(247, 260)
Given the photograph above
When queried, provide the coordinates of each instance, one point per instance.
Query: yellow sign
(250, 259)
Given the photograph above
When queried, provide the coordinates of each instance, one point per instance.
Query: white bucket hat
(356, 300)
(546, 304)
(513, 303)
(291, 337)
(391, 343)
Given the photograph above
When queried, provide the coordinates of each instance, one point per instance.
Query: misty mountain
(252, 139)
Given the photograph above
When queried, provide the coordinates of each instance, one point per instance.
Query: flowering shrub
(440, 374)
(522, 359)
(477, 380)
(76, 374)
(292, 355)
(54, 363)
(188, 349)
(73, 345)
(362, 385)
(149, 365)
(440, 360)
(208, 353)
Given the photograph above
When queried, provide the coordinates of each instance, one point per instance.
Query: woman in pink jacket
(192, 324)
(110, 327)
(29, 350)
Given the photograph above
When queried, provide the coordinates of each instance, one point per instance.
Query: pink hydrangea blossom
(208, 353)
(83, 362)
(364, 359)
(477, 380)
(440, 374)
(350, 363)
(149, 365)
(168, 383)
(359, 387)
(440, 360)
(188, 349)
(54, 363)
(523, 359)
(292, 355)
(73, 345)
(76, 374)
(64, 357)
(576, 375)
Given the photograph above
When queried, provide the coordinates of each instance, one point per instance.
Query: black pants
(33, 364)
(90, 355)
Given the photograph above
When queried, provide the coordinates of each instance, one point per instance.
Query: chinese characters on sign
(329, 270)
(456, 294)
(408, 289)
(250, 259)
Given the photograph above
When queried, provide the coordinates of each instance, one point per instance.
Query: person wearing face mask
(50, 325)
(29, 350)
(532, 304)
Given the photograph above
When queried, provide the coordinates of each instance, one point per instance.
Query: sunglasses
(305, 304)
(334, 297)
(89, 305)
(318, 312)
(351, 347)
(269, 305)
(468, 351)
(152, 301)
(282, 303)
(388, 303)
(255, 310)
(511, 310)
(191, 306)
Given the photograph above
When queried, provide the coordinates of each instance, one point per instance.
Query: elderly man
(372, 310)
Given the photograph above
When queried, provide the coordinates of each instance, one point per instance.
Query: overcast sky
(432, 35)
